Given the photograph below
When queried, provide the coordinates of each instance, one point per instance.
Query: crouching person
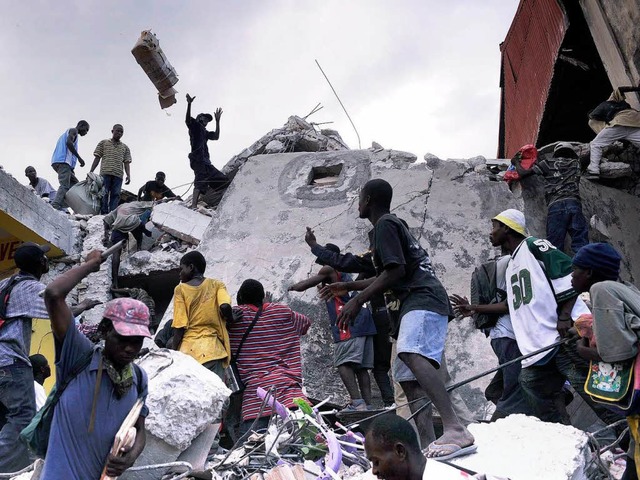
(96, 400)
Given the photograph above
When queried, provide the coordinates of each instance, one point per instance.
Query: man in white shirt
(542, 304)
(41, 371)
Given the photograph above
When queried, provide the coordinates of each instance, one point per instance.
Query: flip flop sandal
(453, 449)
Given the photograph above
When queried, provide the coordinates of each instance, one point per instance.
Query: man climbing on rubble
(201, 311)
(616, 121)
(64, 159)
(383, 352)
(353, 345)
(206, 175)
(561, 175)
(42, 187)
(17, 395)
(542, 305)
(114, 157)
(157, 185)
(88, 416)
(128, 218)
(419, 311)
(270, 354)
(615, 328)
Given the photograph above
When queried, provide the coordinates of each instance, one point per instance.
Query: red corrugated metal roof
(529, 53)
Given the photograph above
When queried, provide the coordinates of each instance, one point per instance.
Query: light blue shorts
(422, 332)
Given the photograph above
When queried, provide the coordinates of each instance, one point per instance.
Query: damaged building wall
(258, 232)
(614, 27)
(614, 218)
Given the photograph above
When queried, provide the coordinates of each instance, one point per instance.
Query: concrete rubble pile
(297, 135)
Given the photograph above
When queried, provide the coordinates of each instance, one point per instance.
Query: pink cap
(130, 317)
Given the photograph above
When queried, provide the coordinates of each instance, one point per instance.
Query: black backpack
(5, 294)
(606, 111)
(484, 291)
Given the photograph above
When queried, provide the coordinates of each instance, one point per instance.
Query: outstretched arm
(190, 100)
(215, 135)
(56, 293)
(71, 139)
(517, 163)
(380, 284)
(324, 275)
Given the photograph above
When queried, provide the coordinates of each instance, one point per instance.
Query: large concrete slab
(258, 232)
(180, 221)
(27, 217)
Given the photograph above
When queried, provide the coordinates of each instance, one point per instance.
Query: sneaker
(391, 407)
(355, 406)
(590, 175)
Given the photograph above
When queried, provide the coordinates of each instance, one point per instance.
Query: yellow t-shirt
(197, 310)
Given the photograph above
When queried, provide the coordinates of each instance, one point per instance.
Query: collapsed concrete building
(257, 231)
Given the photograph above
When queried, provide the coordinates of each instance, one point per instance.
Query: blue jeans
(112, 186)
(18, 398)
(542, 383)
(565, 216)
(512, 399)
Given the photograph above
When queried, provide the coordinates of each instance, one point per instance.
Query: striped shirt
(270, 356)
(113, 156)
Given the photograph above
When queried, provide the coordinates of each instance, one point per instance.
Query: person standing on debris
(201, 311)
(419, 311)
(616, 321)
(128, 218)
(115, 156)
(64, 159)
(88, 416)
(383, 348)
(157, 185)
(353, 345)
(41, 371)
(206, 175)
(542, 305)
(561, 175)
(618, 121)
(42, 187)
(270, 355)
(363, 265)
(17, 396)
(495, 322)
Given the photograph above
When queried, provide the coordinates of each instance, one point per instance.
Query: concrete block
(526, 448)
(180, 221)
(184, 397)
(615, 170)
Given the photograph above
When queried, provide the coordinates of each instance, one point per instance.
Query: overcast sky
(420, 75)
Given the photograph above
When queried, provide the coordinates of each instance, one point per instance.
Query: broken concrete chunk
(140, 258)
(614, 170)
(274, 146)
(476, 161)
(514, 446)
(432, 160)
(180, 221)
